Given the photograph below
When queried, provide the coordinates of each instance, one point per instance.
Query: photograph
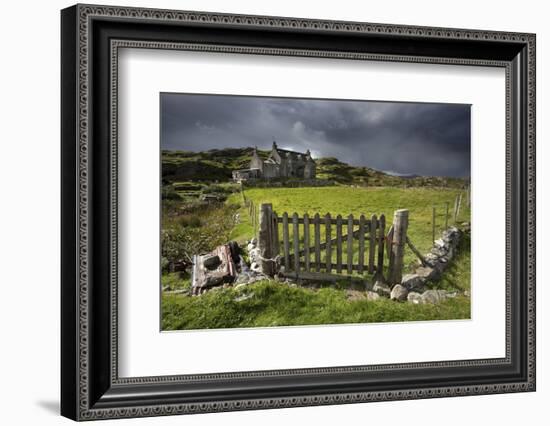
(265, 208)
(280, 211)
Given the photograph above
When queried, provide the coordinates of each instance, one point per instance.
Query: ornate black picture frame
(91, 36)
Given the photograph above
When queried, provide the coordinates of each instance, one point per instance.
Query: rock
(431, 259)
(254, 241)
(439, 251)
(243, 277)
(466, 293)
(413, 282)
(250, 247)
(398, 293)
(371, 295)
(242, 264)
(254, 266)
(434, 296)
(414, 297)
(428, 273)
(166, 288)
(382, 289)
(211, 261)
(241, 286)
(442, 244)
(254, 254)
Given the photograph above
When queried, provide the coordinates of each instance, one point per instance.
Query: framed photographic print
(263, 212)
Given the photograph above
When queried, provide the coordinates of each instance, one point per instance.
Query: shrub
(169, 193)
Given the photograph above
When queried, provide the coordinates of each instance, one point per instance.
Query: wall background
(29, 212)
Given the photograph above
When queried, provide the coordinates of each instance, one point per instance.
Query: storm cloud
(403, 138)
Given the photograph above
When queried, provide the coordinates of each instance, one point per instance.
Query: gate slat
(329, 248)
(338, 244)
(317, 231)
(361, 243)
(296, 237)
(276, 244)
(382, 237)
(286, 245)
(372, 242)
(306, 241)
(350, 244)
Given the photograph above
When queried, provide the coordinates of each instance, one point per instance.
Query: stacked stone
(413, 286)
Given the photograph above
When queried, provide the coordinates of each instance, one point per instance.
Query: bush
(192, 221)
(169, 193)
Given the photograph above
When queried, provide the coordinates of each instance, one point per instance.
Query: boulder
(413, 282)
(382, 289)
(371, 295)
(398, 293)
(428, 273)
(414, 297)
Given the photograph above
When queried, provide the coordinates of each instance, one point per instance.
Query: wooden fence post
(265, 240)
(458, 205)
(400, 225)
(306, 242)
(433, 223)
(338, 244)
(381, 239)
(446, 215)
(328, 248)
(372, 241)
(286, 244)
(242, 192)
(455, 210)
(317, 236)
(361, 243)
(349, 257)
(296, 238)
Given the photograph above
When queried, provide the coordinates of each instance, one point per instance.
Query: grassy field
(268, 303)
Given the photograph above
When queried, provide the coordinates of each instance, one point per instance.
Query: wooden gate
(319, 246)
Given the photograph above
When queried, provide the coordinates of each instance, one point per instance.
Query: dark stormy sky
(401, 138)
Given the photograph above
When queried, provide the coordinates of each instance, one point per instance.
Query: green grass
(275, 304)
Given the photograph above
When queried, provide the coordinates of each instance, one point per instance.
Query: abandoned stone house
(281, 163)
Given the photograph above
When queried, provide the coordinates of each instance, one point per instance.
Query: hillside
(218, 164)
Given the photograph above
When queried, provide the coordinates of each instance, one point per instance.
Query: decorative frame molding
(91, 37)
